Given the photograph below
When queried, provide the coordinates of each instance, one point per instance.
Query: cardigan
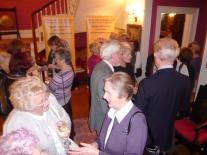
(119, 141)
(44, 127)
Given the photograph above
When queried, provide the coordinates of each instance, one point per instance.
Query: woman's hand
(86, 149)
(94, 144)
(32, 69)
(52, 66)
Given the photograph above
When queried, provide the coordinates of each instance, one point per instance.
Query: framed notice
(134, 32)
(63, 27)
(99, 27)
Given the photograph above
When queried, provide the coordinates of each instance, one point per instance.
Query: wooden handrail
(45, 6)
(8, 9)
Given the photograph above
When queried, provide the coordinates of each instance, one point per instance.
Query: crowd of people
(125, 112)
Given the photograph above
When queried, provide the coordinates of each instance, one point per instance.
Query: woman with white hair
(37, 110)
(20, 142)
(126, 57)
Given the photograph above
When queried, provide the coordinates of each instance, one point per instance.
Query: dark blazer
(120, 143)
(160, 96)
(128, 69)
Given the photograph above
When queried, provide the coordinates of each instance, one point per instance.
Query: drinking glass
(64, 133)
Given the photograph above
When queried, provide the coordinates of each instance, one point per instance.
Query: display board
(99, 27)
(63, 27)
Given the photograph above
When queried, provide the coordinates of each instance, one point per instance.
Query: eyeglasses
(44, 99)
(57, 58)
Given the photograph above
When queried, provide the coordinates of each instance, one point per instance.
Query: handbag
(153, 149)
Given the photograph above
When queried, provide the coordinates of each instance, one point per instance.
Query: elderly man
(110, 55)
(161, 95)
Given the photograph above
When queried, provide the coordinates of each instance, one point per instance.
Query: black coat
(160, 96)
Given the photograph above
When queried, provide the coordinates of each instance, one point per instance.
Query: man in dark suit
(110, 55)
(161, 95)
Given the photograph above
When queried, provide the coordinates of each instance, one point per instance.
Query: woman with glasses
(61, 83)
(38, 111)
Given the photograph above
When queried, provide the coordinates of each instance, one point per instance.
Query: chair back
(5, 81)
(5, 106)
(199, 109)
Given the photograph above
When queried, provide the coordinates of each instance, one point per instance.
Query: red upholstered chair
(193, 130)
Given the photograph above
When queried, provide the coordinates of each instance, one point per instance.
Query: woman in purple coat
(124, 130)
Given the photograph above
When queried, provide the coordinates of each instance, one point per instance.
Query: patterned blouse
(60, 86)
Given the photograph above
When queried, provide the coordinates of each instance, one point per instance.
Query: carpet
(83, 133)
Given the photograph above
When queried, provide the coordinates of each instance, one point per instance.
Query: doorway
(185, 17)
(172, 25)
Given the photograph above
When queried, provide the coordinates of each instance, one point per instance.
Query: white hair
(108, 48)
(167, 48)
(18, 142)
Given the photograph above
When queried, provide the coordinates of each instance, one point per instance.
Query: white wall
(114, 8)
(203, 72)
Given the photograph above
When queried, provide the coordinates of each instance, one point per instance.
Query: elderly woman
(61, 83)
(126, 56)
(94, 58)
(38, 111)
(124, 130)
(20, 142)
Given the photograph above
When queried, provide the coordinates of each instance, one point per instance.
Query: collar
(38, 117)
(112, 68)
(165, 67)
(121, 113)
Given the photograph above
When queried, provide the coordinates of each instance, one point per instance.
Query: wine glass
(63, 129)
(64, 132)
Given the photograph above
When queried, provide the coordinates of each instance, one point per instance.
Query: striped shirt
(61, 85)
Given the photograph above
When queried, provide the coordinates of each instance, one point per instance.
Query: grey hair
(64, 54)
(167, 48)
(94, 48)
(108, 48)
(122, 83)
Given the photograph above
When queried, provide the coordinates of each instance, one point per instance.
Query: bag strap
(149, 129)
(129, 125)
(128, 129)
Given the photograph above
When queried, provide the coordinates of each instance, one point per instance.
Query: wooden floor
(79, 100)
